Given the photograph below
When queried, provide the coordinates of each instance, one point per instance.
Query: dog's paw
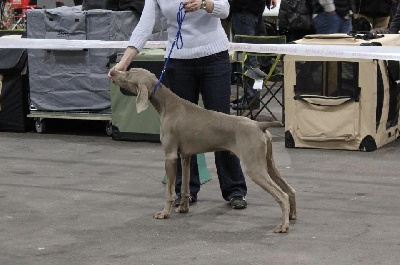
(292, 216)
(182, 209)
(281, 228)
(161, 215)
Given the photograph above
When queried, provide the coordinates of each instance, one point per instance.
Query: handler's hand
(125, 61)
(118, 67)
(192, 5)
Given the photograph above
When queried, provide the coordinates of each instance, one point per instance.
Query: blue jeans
(209, 76)
(247, 23)
(327, 23)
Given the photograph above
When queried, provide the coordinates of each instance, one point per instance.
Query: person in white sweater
(200, 65)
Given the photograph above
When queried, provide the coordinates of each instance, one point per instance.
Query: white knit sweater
(202, 32)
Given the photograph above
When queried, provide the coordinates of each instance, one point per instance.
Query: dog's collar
(154, 90)
(157, 84)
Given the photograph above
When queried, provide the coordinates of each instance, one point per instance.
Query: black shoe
(238, 202)
(236, 101)
(243, 104)
(275, 76)
(268, 68)
(178, 199)
(256, 73)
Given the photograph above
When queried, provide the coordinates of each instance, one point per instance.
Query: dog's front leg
(170, 169)
(184, 205)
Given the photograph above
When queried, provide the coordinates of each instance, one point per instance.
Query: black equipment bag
(131, 5)
(14, 92)
(116, 5)
(94, 4)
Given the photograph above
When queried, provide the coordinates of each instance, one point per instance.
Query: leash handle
(180, 16)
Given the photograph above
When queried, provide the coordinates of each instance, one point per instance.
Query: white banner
(335, 51)
(332, 50)
(62, 44)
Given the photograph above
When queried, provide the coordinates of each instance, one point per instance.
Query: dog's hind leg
(258, 173)
(277, 178)
(184, 205)
(170, 169)
(282, 198)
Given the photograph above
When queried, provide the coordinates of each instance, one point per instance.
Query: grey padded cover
(74, 79)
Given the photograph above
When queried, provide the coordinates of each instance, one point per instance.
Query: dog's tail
(267, 124)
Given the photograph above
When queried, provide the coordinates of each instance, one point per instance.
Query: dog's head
(139, 82)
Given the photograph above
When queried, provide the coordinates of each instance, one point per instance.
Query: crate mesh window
(331, 79)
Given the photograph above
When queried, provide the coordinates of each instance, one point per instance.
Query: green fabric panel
(205, 174)
(125, 117)
(150, 55)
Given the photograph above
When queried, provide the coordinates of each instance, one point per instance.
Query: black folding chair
(272, 80)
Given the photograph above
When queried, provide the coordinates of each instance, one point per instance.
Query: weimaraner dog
(188, 129)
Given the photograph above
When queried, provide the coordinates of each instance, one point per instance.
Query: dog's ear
(142, 99)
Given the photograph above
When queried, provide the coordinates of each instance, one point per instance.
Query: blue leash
(180, 16)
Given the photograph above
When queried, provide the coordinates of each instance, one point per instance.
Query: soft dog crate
(127, 123)
(336, 103)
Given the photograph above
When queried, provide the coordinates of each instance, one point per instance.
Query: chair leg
(270, 90)
(273, 94)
